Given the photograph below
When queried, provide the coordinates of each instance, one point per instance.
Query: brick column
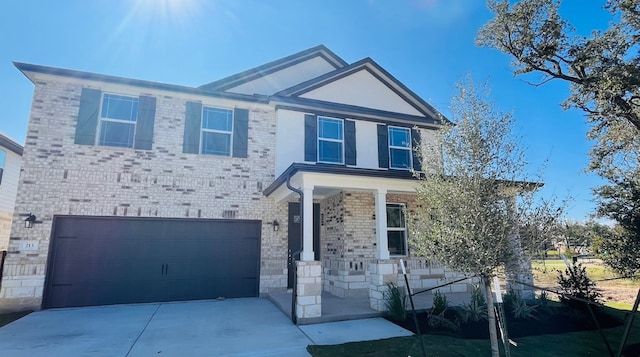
(382, 244)
(381, 273)
(309, 289)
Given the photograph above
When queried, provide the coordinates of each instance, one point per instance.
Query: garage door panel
(100, 261)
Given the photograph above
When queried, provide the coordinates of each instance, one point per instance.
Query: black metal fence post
(4, 256)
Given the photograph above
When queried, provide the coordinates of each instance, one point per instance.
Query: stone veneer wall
(61, 178)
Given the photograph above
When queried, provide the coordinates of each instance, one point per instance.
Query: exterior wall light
(29, 221)
(276, 226)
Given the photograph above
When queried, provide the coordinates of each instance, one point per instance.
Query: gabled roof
(320, 51)
(306, 89)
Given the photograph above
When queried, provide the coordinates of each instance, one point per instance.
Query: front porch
(350, 230)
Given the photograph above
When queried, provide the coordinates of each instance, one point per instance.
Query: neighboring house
(10, 161)
(147, 191)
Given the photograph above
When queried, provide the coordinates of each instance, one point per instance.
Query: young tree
(603, 71)
(473, 197)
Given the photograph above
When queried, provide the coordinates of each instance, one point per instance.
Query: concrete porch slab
(333, 308)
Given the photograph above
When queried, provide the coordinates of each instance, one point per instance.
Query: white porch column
(382, 245)
(307, 225)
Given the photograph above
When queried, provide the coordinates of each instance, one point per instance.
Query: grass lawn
(546, 272)
(10, 317)
(584, 343)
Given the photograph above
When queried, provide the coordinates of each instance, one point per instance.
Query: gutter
(294, 293)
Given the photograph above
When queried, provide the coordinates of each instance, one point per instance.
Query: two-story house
(147, 192)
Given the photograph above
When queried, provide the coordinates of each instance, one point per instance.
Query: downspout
(294, 293)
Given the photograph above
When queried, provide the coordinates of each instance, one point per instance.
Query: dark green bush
(440, 303)
(395, 300)
(575, 283)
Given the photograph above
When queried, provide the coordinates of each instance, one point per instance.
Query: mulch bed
(554, 321)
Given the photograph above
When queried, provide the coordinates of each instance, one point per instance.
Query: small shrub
(544, 302)
(476, 309)
(522, 311)
(517, 307)
(436, 318)
(543, 298)
(440, 303)
(574, 282)
(395, 300)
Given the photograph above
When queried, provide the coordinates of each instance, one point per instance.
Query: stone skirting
(309, 289)
(346, 278)
(425, 273)
(382, 272)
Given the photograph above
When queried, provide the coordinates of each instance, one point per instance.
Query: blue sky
(426, 44)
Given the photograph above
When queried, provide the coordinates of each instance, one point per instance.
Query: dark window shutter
(192, 123)
(88, 116)
(310, 138)
(415, 147)
(383, 146)
(240, 132)
(350, 142)
(144, 122)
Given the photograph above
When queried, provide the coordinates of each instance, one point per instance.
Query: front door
(295, 237)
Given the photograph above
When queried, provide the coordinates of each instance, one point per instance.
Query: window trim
(230, 133)
(341, 141)
(409, 149)
(102, 119)
(403, 207)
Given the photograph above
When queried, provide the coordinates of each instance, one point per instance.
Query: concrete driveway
(235, 327)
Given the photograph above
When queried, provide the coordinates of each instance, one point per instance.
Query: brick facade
(348, 240)
(61, 178)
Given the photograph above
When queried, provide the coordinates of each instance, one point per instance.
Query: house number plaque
(29, 245)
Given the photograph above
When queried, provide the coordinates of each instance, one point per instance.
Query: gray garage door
(102, 261)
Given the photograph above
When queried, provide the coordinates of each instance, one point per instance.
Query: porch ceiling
(326, 180)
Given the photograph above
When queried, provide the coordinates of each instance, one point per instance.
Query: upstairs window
(217, 131)
(330, 140)
(396, 229)
(399, 148)
(118, 120)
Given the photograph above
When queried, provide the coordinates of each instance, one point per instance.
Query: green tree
(582, 236)
(473, 197)
(603, 71)
(620, 201)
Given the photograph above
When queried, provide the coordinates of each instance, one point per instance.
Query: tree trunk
(491, 316)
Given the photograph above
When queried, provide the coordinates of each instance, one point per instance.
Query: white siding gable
(285, 78)
(362, 89)
(8, 192)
